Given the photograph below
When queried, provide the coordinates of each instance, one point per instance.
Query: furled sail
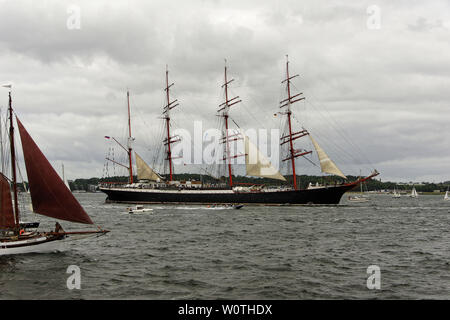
(6, 209)
(49, 195)
(257, 164)
(326, 164)
(144, 172)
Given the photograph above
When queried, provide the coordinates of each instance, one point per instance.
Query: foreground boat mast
(13, 165)
(49, 197)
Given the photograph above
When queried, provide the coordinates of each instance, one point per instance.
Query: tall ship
(152, 187)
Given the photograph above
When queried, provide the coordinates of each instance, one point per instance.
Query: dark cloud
(381, 96)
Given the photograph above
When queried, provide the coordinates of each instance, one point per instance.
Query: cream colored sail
(326, 164)
(144, 172)
(257, 165)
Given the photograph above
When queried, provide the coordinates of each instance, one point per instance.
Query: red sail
(49, 194)
(6, 209)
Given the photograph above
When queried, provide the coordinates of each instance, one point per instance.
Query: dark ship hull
(322, 195)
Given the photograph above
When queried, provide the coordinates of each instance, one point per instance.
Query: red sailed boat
(49, 196)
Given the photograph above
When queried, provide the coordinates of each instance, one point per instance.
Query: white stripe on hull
(36, 245)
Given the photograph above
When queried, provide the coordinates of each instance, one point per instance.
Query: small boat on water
(138, 209)
(358, 198)
(446, 196)
(414, 193)
(396, 194)
(225, 206)
(49, 197)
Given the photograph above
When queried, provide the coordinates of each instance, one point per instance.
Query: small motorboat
(225, 206)
(138, 209)
(358, 199)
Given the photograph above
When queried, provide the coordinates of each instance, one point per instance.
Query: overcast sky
(375, 74)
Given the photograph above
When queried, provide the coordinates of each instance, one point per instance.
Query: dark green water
(191, 252)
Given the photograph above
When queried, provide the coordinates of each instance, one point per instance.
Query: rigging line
(316, 134)
(137, 110)
(338, 154)
(346, 138)
(314, 164)
(246, 109)
(338, 129)
(342, 151)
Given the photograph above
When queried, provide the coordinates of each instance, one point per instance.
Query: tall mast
(293, 153)
(1, 143)
(129, 139)
(230, 174)
(224, 108)
(13, 161)
(169, 140)
(128, 149)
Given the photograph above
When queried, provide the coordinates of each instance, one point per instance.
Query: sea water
(283, 252)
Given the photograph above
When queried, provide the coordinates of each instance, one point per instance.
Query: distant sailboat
(48, 196)
(414, 193)
(446, 197)
(361, 197)
(396, 194)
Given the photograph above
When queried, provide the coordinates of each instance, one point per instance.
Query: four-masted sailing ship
(152, 188)
(49, 195)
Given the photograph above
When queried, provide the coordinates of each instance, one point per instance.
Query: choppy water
(191, 252)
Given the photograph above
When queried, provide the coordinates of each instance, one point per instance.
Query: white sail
(326, 164)
(446, 197)
(257, 164)
(64, 178)
(414, 193)
(144, 172)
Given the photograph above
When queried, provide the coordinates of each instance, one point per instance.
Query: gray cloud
(387, 89)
